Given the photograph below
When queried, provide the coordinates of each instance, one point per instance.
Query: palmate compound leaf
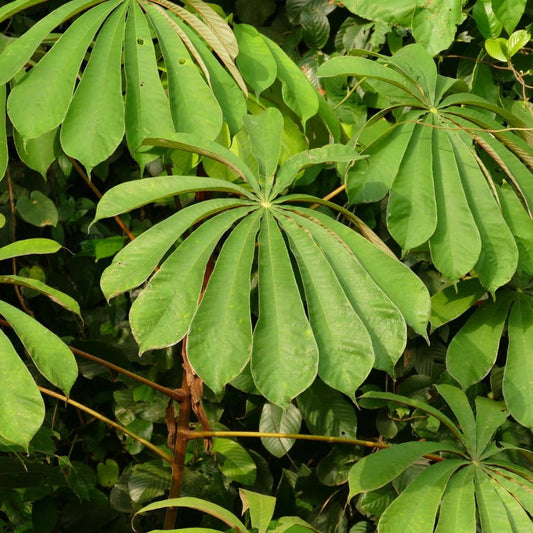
(440, 192)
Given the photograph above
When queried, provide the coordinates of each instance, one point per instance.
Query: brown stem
(109, 422)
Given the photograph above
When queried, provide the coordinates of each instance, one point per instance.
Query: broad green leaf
(400, 12)
(265, 135)
(227, 92)
(162, 313)
(201, 505)
(3, 134)
(517, 516)
(21, 405)
(452, 301)
(518, 376)
(49, 353)
(260, 506)
(147, 481)
(509, 12)
(38, 153)
(94, 124)
(473, 351)
(147, 107)
(28, 247)
(456, 244)
(334, 469)
(412, 208)
(234, 461)
(370, 180)
(285, 354)
(345, 349)
(39, 102)
(491, 510)
(460, 406)
(499, 254)
(60, 298)
(255, 61)
(134, 263)
(274, 419)
(486, 20)
(132, 194)
(17, 54)
(37, 209)
(107, 473)
(490, 415)
(297, 91)
(378, 469)
(292, 524)
(379, 315)
(13, 8)
(402, 287)
(517, 40)
(458, 507)
(192, 103)
(219, 343)
(410, 512)
(327, 412)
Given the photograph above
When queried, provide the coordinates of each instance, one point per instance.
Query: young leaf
(274, 419)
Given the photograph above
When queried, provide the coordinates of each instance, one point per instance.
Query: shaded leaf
(274, 419)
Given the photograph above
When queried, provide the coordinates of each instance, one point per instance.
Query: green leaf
(94, 124)
(148, 480)
(37, 209)
(3, 133)
(517, 41)
(412, 208)
(400, 12)
(345, 348)
(518, 376)
(39, 102)
(234, 461)
(315, 25)
(296, 89)
(473, 351)
(107, 473)
(486, 20)
(28, 247)
(285, 354)
(219, 344)
(50, 354)
(147, 107)
(192, 103)
(327, 412)
(490, 415)
(201, 505)
(452, 301)
(492, 512)
(497, 48)
(130, 195)
(410, 513)
(255, 61)
(21, 405)
(17, 54)
(162, 313)
(378, 469)
(519, 519)
(458, 507)
(38, 153)
(516, 485)
(60, 298)
(13, 8)
(134, 263)
(509, 12)
(274, 419)
(261, 508)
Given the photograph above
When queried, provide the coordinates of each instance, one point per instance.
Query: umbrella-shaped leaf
(492, 512)
(15, 56)
(21, 405)
(285, 353)
(274, 419)
(162, 313)
(255, 60)
(28, 247)
(458, 507)
(39, 102)
(49, 353)
(490, 415)
(3, 133)
(60, 298)
(194, 107)
(38, 153)
(416, 507)
(520, 487)
(380, 316)
(378, 469)
(94, 124)
(473, 351)
(518, 376)
(345, 347)
(412, 209)
(517, 516)
(219, 343)
(134, 263)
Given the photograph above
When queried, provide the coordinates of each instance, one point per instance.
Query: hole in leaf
(140, 41)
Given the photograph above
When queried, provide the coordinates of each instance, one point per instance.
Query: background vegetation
(225, 221)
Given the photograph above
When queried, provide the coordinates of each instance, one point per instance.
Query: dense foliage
(271, 260)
